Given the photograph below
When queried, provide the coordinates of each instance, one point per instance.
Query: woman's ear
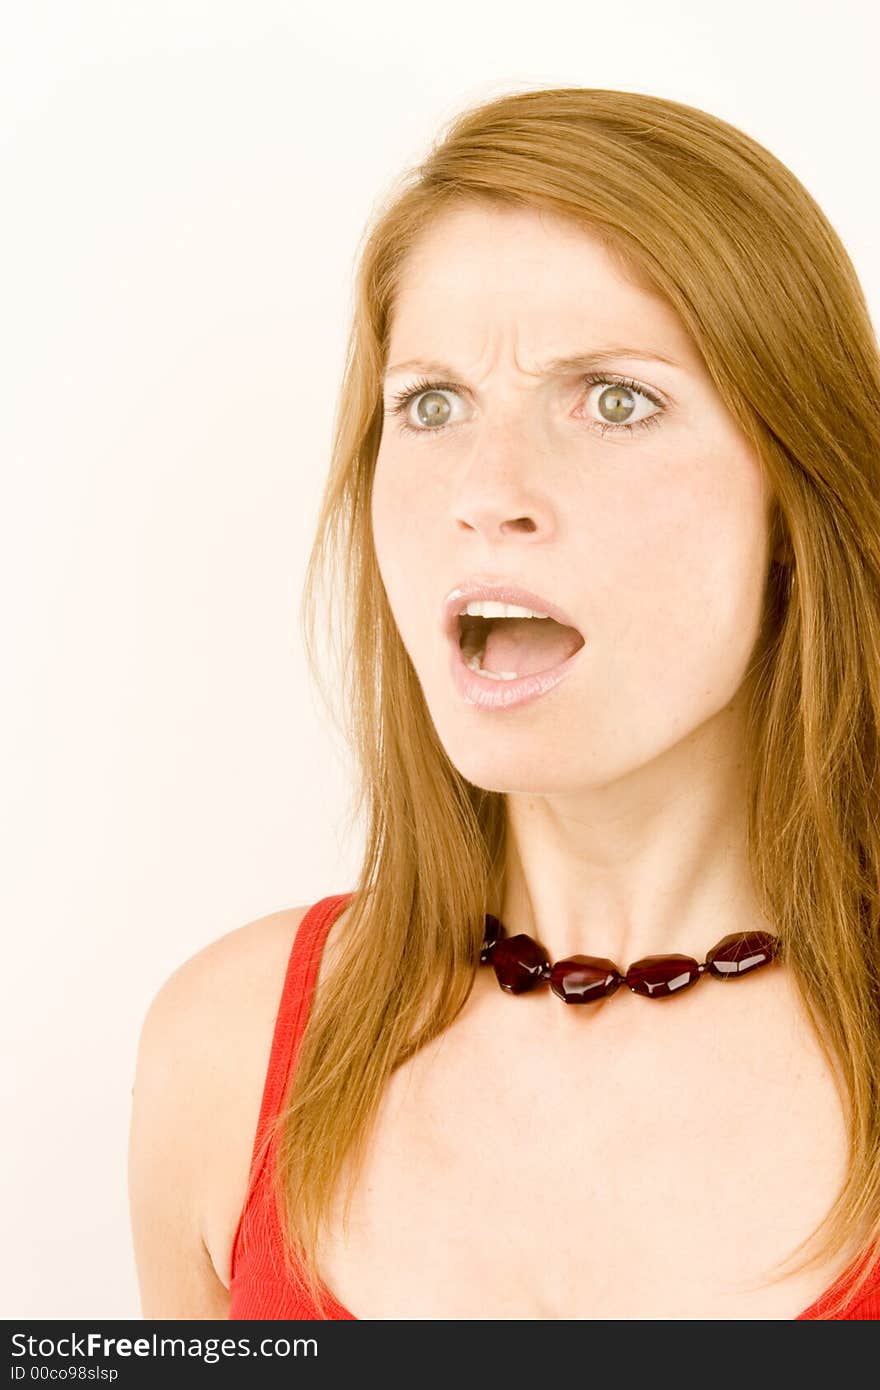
(781, 552)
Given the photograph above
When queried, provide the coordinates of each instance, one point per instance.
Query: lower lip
(485, 693)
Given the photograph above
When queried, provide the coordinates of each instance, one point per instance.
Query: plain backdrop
(183, 188)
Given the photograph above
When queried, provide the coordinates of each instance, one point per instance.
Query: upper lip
(458, 599)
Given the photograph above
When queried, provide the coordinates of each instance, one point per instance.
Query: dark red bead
(741, 952)
(660, 976)
(582, 979)
(492, 932)
(519, 963)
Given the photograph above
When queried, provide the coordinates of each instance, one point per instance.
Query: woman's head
(643, 510)
(737, 537)
(555, 222)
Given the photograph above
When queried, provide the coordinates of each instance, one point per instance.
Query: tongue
(527, 645)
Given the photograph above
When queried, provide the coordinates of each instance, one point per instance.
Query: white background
(183, 187)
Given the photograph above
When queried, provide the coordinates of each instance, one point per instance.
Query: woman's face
(653, 539)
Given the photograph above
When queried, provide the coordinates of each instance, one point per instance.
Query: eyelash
(402, 401)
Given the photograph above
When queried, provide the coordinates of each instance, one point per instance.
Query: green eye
(434, 409)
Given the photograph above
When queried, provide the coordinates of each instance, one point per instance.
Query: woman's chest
(650, 1185)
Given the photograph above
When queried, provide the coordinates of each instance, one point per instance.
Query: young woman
(597, 1032)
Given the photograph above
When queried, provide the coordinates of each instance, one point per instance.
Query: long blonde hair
(695, 209)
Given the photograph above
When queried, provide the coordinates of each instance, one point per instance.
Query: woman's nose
(492, 520)
(501, 494)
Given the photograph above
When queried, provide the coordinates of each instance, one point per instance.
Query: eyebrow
(557, 366)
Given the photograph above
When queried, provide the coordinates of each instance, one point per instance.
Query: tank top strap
(293, 1008)
(290, 1022)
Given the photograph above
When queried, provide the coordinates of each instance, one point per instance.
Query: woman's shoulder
(213, 976)
(218, 1000)
(230, 988)
(205, 1046)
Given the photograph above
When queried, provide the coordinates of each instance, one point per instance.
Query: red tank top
(259, 1285)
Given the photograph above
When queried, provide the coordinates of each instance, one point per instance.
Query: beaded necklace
(520, 964)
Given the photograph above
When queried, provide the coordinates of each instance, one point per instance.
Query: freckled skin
(625, 783)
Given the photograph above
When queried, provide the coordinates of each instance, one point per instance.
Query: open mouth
(508, 648)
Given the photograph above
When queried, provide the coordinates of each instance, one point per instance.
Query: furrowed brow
(557, 366)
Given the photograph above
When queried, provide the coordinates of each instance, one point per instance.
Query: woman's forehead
(481, 281)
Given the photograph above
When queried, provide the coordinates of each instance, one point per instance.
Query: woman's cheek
(400, 543)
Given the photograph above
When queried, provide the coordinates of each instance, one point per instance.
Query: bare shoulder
(201, 1066)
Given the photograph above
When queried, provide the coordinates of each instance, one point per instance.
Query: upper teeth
(489, 609)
